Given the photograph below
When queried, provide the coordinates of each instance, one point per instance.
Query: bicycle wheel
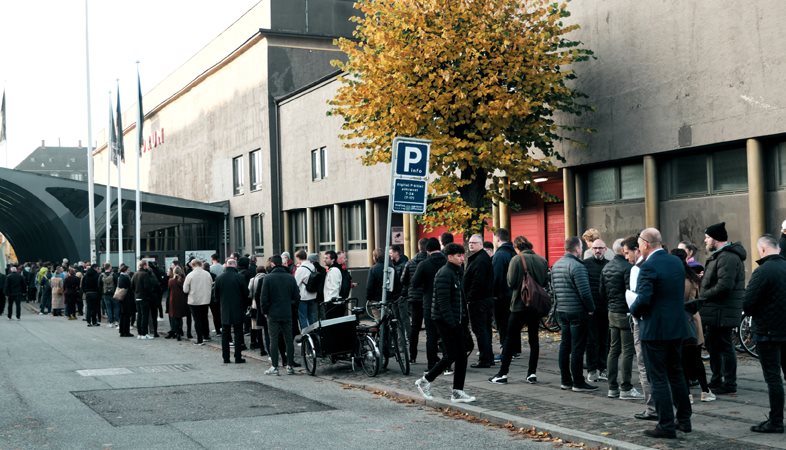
(309, 355)
(550, 322)
(746, 336)
(369, 356)
(403, 362)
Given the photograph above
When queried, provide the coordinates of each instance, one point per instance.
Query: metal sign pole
(385, 275)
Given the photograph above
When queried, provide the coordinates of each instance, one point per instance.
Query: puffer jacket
(424, 278)
(478, 276)
(765, 297)
(409, 292)
(614, 280)
(723, 286)
(449, 305)
(594, 268)
(571, 285)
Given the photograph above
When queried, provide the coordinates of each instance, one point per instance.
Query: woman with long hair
(178, 303)
(691, 349)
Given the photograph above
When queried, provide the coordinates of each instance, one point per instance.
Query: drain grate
(153, 406)
(162, 368)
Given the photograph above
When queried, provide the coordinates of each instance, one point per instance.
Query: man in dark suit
(659, 307)
(232, 290)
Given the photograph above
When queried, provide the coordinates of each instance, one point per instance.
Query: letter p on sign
(411, 157)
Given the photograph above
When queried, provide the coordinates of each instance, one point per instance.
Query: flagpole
(90, 187)
(140, 119)
(118, 162)
(109, 156)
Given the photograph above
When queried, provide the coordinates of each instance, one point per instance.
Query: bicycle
(550, 321)
(744, 336)
(388, 337)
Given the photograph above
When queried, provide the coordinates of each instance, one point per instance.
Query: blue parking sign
(409, 196)
(411, 157)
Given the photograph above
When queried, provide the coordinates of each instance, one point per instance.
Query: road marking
(163, 368)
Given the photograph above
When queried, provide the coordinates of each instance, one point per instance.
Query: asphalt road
(64, 385)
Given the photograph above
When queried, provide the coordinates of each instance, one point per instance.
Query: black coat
(765, 297)
(614, 281)
(449, 304)
(279, 293)
(374, 282)
(14, 284)
(594, 268)
(501, 261)
(232, 291)
(142, 285)
(408, 291)
(90, 281)
(723, 287)
(424, 278)
(128, 303)
(479, 276)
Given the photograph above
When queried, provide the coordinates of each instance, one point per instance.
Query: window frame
(237, 175)
(255, 170)
(617, 180)
(239, 231)
(257, 234)
(319, 167)
(324, 227)
(354, 216)
(709, 167)
(298, 229)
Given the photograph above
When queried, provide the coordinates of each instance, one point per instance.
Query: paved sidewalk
(592, 418)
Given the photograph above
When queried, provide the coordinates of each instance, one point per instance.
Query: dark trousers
(455, 353)
(501, 318)
(516, 323)
(215, 311)
(432, 342)
(125, 323)
(479, 312)
(93, 307)
(694, 366)
(142, 316)
(571, 347)
(226, 332)
(201, 326)
(598, 340)
(416, 317)
(664, 371)
(2, 303)
(14, 300)
(281, 330)
(723, 357)
(773, 361)
(175, 326)
(155, 306)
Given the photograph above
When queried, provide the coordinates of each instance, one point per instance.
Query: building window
(255, 165)
(354, 218)
(298, 230)
(702, 174)
(615, 183)
(237, 175)
(257, 241)
(240, 235)
(76, 176)
(319, 164)
(324, 228)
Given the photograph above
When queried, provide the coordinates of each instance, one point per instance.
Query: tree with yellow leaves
(482, 79)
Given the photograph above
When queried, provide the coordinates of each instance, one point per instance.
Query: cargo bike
(340, 337)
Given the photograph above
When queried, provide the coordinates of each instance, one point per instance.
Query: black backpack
(316, 281)
(346, 284)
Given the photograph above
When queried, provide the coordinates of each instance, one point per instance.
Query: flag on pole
(111, 142)
(140, 116)
(2, 119)
(120, 156)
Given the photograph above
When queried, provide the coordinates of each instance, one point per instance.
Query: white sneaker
(707, 396)
(613, 393)
(149, 337)
(592, 375)
(603, 376)
(632, 394)
(272, 371)
(460, 396)
(532, 378)
(424, 387)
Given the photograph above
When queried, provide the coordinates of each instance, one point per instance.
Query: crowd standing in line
(633, 301)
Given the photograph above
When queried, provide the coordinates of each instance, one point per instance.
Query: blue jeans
(307, 313)
(112, 308)
(575, 327)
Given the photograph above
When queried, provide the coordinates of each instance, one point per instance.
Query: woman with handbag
(525, 264)
(691, 348)
(58, 299)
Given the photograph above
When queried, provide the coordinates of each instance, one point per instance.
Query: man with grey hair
(478, 289)
(598, 331)
(765, 301)
(614, 280)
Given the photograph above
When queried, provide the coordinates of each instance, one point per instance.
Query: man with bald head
(659, 307)
(598, 331)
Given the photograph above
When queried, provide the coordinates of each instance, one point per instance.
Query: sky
(43, 70)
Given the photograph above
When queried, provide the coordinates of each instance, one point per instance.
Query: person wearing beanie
(721, 295)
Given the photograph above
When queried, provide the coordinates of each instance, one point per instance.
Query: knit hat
(717, 232)
(313, 257)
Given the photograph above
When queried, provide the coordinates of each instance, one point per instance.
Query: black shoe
(480, 365)
(722, 390)
(179, 338)
(240, 361)
(190, 336)
(684, 427)
(646, 416)
(767, 427)
(660, 434)
(263, 353)
(254, 346)
(295, 364)
(169, 336)
(226, 361)
(412, 361)
(154, 334)
(584, 388)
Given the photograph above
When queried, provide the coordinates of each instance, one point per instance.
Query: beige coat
(692, 293)
(58, 301)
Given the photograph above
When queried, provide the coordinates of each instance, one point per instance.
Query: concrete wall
(323, 17)
(614, 221)
(711, 69)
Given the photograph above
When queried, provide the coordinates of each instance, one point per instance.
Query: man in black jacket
(279, 293)
(449, 313)
(15, 288)
(765, 302)
(479, 293)
(423, 281)
(92, 295)
(232, 290)
(502, 294)
(414, 298)
(598, 331)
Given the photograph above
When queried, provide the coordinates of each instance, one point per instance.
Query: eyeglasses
(598, 248)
